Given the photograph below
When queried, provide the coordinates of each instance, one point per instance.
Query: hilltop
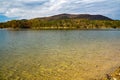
(76, 16)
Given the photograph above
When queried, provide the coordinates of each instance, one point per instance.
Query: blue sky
(27, 9)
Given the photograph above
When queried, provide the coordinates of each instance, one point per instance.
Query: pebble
(114, 78)
(119, 74)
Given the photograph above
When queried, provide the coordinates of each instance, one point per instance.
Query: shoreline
(12, 29)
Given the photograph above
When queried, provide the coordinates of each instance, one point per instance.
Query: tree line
(61, 24)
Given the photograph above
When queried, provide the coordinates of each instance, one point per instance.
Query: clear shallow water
(58, 54)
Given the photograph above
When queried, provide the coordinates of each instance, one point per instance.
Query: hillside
(64, 21)
(77, 16)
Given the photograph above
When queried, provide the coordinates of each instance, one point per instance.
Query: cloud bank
(26, 9)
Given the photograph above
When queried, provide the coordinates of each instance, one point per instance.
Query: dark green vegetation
(64, 21)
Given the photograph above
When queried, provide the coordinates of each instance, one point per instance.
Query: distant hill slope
(77, 16)
(64, 21)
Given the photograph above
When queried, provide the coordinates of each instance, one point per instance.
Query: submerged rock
(113, 76)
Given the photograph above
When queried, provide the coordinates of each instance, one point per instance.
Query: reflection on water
(58, 55)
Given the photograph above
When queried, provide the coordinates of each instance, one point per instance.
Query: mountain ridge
(76, 16)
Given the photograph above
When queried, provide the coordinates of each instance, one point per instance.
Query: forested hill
(77, 16)
(64, 21)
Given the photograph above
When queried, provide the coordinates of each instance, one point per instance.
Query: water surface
(58, 54)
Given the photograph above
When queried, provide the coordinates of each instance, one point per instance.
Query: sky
(27, 9)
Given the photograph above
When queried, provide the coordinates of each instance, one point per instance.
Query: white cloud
(56, 4)
(89, 1)
(39, 8)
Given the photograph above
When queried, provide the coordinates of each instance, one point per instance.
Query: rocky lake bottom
(59, 55)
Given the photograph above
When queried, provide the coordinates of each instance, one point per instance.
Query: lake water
(58, 54)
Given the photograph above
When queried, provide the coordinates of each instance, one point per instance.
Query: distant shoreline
(12, 29)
